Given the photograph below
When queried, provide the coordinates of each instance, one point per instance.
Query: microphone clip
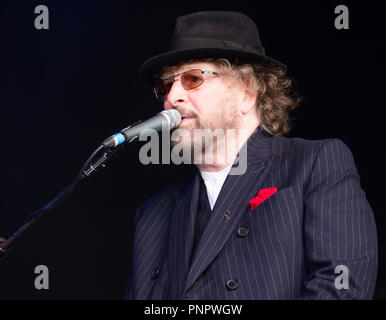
(100, 162)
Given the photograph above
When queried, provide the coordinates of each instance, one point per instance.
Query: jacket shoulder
(309, 148)
(160, 202)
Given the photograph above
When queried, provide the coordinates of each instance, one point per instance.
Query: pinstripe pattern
(318, 219)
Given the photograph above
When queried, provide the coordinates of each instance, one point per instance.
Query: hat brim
(152, 65)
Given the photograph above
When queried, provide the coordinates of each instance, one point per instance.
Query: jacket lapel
(231, 203)
(181, 235)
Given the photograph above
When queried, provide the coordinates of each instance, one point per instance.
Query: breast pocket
(279, 218)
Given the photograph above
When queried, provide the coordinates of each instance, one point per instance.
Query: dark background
(66, 89)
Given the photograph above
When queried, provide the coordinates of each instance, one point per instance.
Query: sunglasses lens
(189, 80)
(192, 79)
(162, 88)
(167, 84)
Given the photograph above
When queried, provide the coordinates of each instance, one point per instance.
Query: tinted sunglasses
(189, 79)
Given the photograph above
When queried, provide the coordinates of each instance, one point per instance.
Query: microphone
(167, 119)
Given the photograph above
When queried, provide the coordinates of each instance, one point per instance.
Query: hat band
(187, 43)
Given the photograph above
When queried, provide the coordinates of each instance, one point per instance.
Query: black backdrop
(65, 89)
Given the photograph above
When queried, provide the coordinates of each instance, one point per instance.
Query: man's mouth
(185, 118)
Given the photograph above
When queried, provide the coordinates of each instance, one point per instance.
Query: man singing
(268, 217)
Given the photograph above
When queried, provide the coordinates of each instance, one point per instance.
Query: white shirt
(214, 182)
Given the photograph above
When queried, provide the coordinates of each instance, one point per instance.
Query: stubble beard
(200, 133)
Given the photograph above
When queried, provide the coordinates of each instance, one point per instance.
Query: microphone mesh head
(174, 116)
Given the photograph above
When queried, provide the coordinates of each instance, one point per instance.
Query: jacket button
(243, 231)
(232, 284)
(155, 273)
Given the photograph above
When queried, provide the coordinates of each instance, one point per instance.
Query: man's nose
(176, 96)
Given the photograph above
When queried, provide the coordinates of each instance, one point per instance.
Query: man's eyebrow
(178, 70)
(168, 74)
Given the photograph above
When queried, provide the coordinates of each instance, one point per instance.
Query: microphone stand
(88, 169)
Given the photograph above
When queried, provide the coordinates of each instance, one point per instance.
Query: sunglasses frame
(180, 74)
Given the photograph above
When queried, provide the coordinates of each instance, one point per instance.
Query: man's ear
(248, 101)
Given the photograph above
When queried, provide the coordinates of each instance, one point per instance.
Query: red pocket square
(262, 195)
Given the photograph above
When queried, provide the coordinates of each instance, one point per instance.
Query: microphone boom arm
(88, 169)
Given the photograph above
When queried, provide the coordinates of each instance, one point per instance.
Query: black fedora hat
(211, 34)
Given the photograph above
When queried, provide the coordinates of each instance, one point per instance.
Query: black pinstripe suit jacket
(317, 220)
